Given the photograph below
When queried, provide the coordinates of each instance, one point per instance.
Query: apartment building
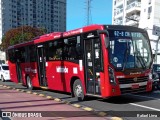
(48, 14)
(138, 13)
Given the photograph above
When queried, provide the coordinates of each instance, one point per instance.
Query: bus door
(18, 61)
(41, 65)
(92, 50)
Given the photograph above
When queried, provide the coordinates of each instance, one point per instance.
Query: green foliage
(20, 35)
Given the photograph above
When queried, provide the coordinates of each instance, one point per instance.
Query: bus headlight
(150, 76)
(111, 75)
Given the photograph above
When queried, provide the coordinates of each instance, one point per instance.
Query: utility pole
(22, 20)
(88, 11)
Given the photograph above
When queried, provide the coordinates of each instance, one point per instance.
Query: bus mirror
(106, 40)
(102, 32)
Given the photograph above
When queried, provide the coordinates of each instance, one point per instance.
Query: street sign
(156, 30)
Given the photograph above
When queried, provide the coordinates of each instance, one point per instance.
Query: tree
(19, 35)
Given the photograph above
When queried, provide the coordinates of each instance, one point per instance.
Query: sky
(101, 13)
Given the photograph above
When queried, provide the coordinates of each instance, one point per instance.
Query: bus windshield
(129, 50)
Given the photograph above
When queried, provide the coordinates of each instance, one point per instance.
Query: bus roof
(57, 35)
(39, 39)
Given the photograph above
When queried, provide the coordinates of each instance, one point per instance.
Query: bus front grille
(131, 90)
(132, 80)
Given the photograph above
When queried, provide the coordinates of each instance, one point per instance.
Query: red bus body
(60, 73)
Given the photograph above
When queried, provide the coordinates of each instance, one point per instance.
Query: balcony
(132, 23)
(133, 18)
(118, 3)
(118, 22)
(135, 6)
(119, 11)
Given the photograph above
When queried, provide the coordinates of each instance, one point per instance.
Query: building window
(150, 9)
(149, 16)
(115, 2)
(149, 12)
(149, 1)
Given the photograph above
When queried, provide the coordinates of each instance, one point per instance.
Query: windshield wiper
(125, 56)
(140, 59)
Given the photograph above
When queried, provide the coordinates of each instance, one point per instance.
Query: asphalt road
(144, 106)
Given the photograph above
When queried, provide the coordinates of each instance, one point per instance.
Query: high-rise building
(47, 14)
(139, 13)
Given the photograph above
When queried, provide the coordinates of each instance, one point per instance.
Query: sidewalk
(31, 106)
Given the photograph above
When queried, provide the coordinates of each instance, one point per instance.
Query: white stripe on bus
(130, 85)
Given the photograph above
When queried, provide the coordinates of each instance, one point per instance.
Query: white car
(4, 72)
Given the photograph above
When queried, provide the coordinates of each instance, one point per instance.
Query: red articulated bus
(96, 60)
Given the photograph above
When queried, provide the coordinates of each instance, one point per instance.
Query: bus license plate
(135, 86)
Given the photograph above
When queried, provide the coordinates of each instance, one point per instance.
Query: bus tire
(78, 90)
(2, 78)
(29, 83)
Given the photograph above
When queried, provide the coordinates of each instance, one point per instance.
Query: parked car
(156, 76)
(4, 72)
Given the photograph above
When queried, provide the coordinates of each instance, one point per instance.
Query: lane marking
(29, 92)
(18, 89)
(57, 99)
(49, 97)
(22, 91)
(41, 95)
(87, 109)
(34, 93)
(144, 106)
(77, 105)
(67, 102)
(102, 114)
(116, 118)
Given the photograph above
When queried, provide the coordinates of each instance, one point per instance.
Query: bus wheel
(2, 78)
(29, 83)
(78, 90)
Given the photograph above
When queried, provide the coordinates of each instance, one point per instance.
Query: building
(139, 13)
(48, 14)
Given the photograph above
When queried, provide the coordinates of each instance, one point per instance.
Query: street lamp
(22, 15)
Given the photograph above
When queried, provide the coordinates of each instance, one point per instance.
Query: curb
(100, 114)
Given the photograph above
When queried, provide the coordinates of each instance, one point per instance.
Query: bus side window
(57, 51)
(79, 50)
(72, 52)
(74, 48)
(20, 54)
(54, 50)
(11, 55)
(58, 55)
(32, 53)
(65, 51)
(50, 51)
